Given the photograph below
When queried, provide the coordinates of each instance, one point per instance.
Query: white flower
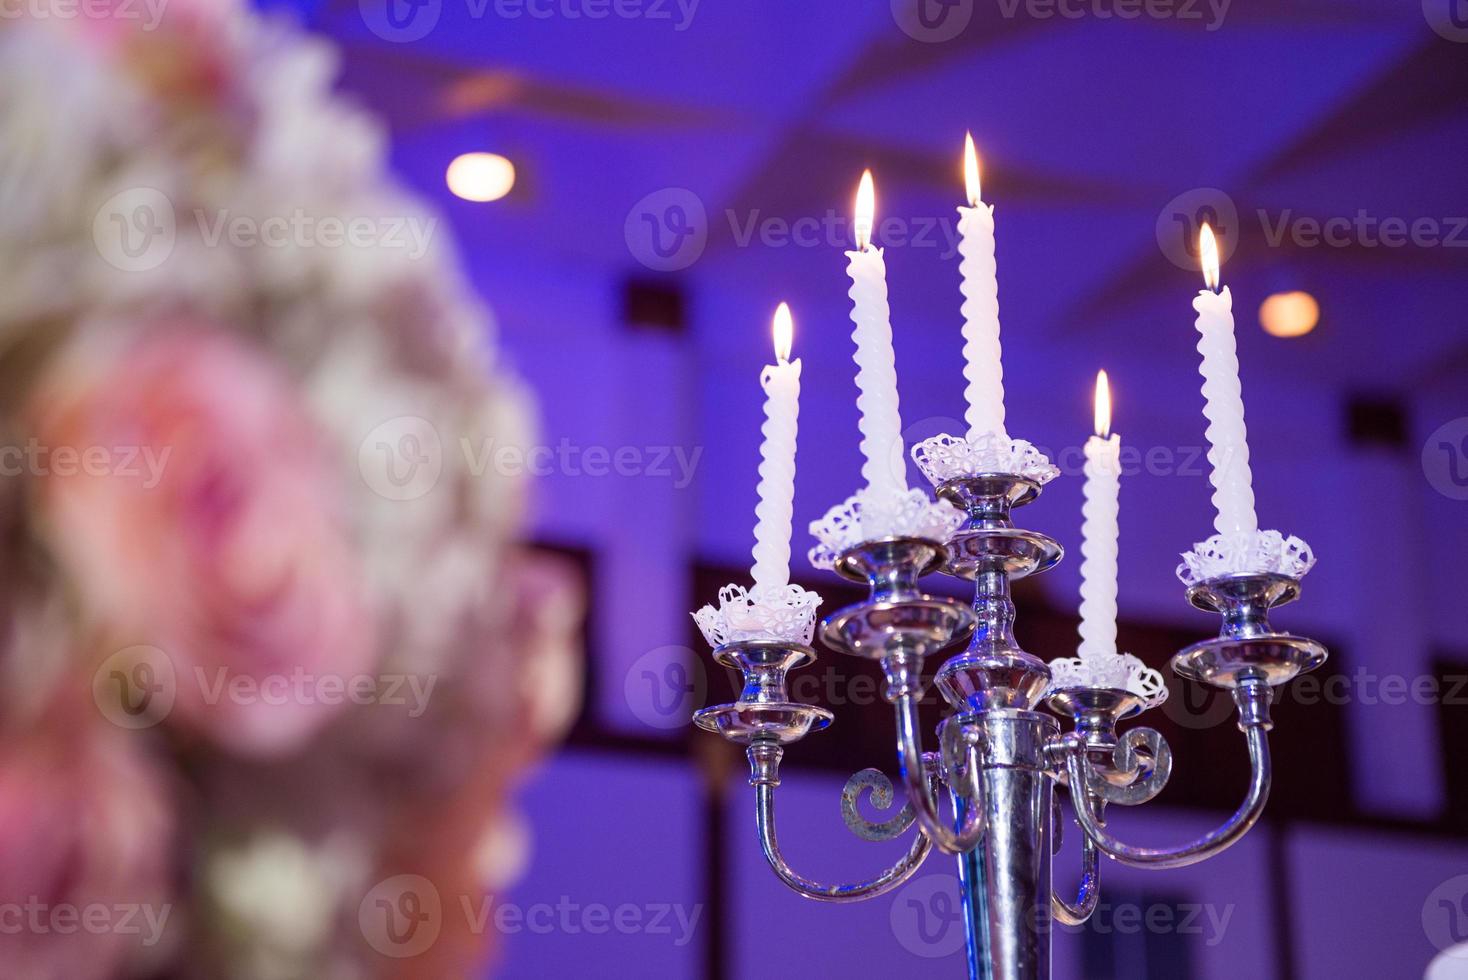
(282, 898)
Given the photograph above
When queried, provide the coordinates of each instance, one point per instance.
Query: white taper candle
(983, 369)
(883, 467)
(1100, 531)
(1228, 446)
(776, 508)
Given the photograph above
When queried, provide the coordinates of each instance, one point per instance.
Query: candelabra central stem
(995, 611)
(994, 672)
(1005, 881)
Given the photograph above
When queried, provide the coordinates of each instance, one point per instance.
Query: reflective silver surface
(763, 712)
(1006, 898)
(1252, 697)
(994, 672)
(1247, 646)
(764, 760)
(996, 757)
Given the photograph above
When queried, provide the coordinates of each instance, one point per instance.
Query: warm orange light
(971, 170)
(1103, 405)
(866, 211)
(1208, 252)
(480, 177)
(1291, 314)
(784, 331)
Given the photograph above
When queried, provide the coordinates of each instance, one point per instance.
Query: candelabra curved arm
(1252, 697)
(881, 796)
(963, 779)
(882, 883)
(1089, 891)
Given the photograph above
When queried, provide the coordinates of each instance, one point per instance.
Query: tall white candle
(1228, 446)
(776, 508)
(982, 368)
(1100, 531)
(883, 466)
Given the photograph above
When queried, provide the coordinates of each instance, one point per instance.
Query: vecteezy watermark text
(37, 459)
(927, 918)
(404, 457)
(137, 230)
(137, 687)
(1181, 219)
(404, 915)
(936, 21)
(566, 458)
(1209, 13)
(148, 12)
(37, 918)
(402, 21)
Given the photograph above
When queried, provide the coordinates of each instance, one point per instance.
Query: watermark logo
(1179, 222)
(402, 916)
(1159, 919)
(135, 230)
(932, 21)
(1445, 459)
(1209, 13)
(1197, 706)
(34, 917)
(1449, 18)
(144, 464)
(148, 12)
(1445, 914)
(402, 458)
(837, 230)
(400, 21)
(668, 229)
(1181, 219)
(676, 921)
(136, 687)
(927, 918)
(664, 686)
(1362, 230)
(676, 464)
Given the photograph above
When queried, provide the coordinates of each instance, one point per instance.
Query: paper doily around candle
(948, 457)
(781, 612)
(1256, 551)
(1121, 671)
(865, 516)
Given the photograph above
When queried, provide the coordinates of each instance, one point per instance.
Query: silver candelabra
(998, 758)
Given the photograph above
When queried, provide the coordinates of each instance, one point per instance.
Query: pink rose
(192, 504)
(84, 834)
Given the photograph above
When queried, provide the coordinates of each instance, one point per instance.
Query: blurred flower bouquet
(271, 662)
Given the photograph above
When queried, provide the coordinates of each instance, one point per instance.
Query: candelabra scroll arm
(962, 774)
(881, 797)
(1089, 891)
(764, 761)
(1138, 768)
(1253, 697)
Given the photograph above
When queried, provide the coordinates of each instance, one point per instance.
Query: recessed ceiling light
(480, 176)
(1291, 314)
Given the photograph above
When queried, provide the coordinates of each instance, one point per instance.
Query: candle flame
(1208, 252)
(866, 210)
(784, 331)
(1103, 405)
(971, 170)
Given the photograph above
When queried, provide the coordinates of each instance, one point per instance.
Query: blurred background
(633, 185)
